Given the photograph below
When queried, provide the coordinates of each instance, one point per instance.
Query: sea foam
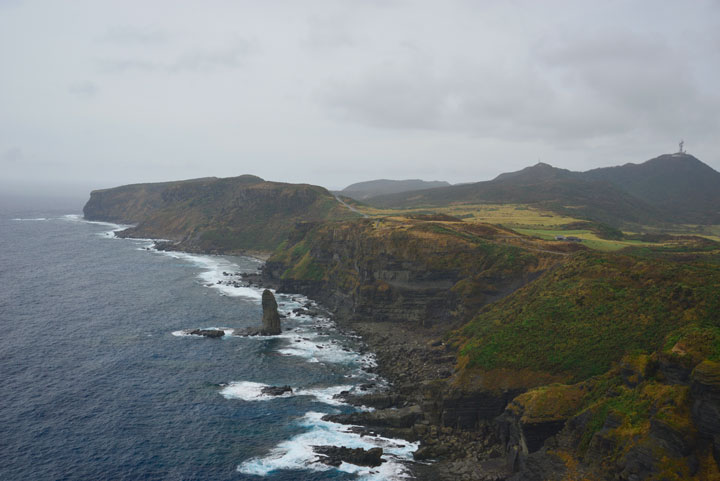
(297, 453)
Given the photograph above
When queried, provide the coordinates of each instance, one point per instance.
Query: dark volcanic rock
(391, 418)
(212, 333)
(270, 319)
(276, 390)
(336, 455)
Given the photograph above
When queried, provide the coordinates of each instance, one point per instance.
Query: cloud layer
(334, 92)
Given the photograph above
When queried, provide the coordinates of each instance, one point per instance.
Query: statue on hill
(682, 144)
(270, 319)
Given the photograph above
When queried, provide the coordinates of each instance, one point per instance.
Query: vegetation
(218, 215)
(585, 314)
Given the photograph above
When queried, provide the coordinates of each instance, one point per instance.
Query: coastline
(371, 336)
(406, 362)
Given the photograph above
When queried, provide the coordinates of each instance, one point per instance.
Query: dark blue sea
(99, 381)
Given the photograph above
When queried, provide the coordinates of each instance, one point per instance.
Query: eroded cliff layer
(423, 272)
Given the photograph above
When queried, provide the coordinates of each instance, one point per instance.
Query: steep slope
(373, 188)
(129, 204)
(419, 271)
(554, 189)
(680, 185)
(215, 215)
(591, 311)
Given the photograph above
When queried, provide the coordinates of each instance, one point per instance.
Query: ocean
(99, 381)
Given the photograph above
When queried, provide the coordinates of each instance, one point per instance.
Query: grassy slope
(220, 215)
(588, 313)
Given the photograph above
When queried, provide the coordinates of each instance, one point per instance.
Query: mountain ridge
(671, 188)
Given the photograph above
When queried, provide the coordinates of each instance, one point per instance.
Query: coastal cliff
(425, 272)
(242, 214)
(572, 365)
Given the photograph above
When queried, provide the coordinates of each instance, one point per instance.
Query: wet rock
(276, 390)
(336, 455)
(391, 418)
(211, 333)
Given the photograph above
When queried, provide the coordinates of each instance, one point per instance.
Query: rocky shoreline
(411, 359)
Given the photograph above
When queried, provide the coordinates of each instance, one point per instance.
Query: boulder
(336, 455)
(276, 390)
(212, 333)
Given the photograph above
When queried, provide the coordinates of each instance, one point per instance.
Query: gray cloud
(575, 88)
(211, 60)
(13, 155)
(83, 89)
(331, 91)
(200, 61)
(134, 35)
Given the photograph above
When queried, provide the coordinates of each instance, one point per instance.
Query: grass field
(535, 222)
(590, 239)
(524, 219)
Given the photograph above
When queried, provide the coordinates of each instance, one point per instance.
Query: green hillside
(230, 215)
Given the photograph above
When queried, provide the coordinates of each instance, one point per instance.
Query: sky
(100, 93)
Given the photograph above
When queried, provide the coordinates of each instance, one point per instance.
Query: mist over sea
(99, 382)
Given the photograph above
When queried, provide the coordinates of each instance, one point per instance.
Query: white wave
(36, 218)
(252, 391)
(297, 453)
(111, 233)
(325, 394)
(248, 391)
(213, 274)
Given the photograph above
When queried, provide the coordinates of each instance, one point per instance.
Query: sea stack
(271, 318)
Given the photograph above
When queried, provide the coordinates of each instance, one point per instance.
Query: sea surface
(99, 382)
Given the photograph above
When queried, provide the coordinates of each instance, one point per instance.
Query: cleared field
(589, 238)
(535, 222)
(506, 214)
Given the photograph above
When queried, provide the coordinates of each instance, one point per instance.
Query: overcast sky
(100, 93)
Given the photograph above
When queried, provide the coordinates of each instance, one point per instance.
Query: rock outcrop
(270, 319)
(336, 455)
(211, 333)
(276, 390)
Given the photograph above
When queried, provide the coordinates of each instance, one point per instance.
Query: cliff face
(130, 204)
(403, 270)
(583, 365)
(215, 215)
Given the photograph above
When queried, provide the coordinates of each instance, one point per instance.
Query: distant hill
(685, 189)
(236, 214)
(373, 188)
(673, 188)
(547, 187)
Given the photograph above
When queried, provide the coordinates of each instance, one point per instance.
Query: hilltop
(685, 189)
(229, 215)
(373, 188)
